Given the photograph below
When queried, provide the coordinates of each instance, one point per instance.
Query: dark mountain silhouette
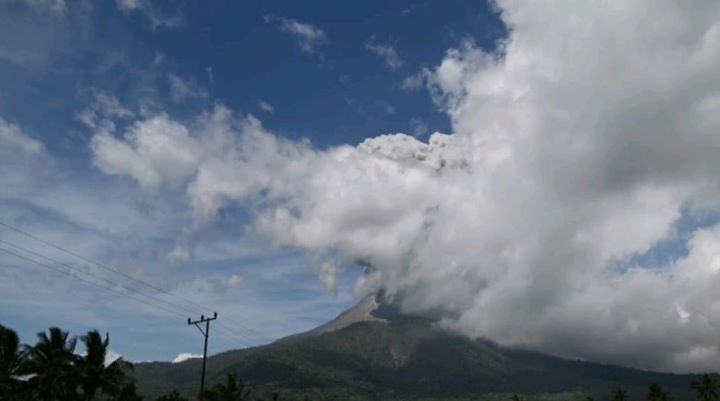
(373, 351)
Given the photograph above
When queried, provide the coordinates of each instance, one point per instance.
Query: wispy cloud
(387, 53)
(418, 127)
(181, 89)
(12, 138)
(266, 107)
(308, 37)
(414, 82)
(149, 11)
(57, 7)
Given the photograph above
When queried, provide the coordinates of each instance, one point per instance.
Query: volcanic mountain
(374, 352)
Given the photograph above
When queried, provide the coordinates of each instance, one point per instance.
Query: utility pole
(205, 333)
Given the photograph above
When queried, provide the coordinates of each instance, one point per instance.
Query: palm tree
(619, 395)
(706, 388)
(51, 363)
(95, 375)
(656, 393)
(232, 390)
(11, 361)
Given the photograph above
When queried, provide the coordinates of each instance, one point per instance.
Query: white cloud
(13, 138)
(234, 280)
(154, 151)
(111, 357)
(102, 110)
(308, 36)
(387, 53)
(179, 254)
(418, 127)
(414, 82)
(53, 6)
(575, 146)
(181, 89)
(184, 356)
(266, 107)
(150, 11)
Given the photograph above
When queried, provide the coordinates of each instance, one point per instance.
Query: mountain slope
(374, 352)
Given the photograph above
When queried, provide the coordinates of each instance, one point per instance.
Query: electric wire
(226, 333)
(136, 280)
(177, 310)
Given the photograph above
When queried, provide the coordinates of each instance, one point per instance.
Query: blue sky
(551, 185)
(330, 72)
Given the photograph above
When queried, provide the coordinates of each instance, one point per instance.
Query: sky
(540, 174)
(329, 74)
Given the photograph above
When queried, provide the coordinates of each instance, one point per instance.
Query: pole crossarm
(202, 319)
(205, 334)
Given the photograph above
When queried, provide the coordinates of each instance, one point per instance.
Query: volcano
(373, 351)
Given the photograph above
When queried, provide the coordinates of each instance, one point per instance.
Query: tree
(619, 394)
(232, 390)
(128, 393)
(515, 397)
(706, 388)
(95, 375)
(656, 393)
(51, 363)
(171, 396)
(11, 363)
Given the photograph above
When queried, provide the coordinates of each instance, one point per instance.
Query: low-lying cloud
(578, 145)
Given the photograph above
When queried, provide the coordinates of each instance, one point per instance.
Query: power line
(61, 271)
(93, 275)
(175, 311)
(136, 280)
(98, 264)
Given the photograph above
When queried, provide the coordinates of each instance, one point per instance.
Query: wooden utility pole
(205, 333)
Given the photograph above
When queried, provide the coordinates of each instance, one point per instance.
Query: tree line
(52, 370)
(706, 389)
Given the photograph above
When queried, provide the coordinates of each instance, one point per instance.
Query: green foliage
(706, 388)
(11, 360)
(50, 370)
(232, 390)
(171, 396)
(407, 360)
(619, 394)
(95, 376)
(656, 393)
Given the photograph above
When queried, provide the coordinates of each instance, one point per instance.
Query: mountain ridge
(373, 351)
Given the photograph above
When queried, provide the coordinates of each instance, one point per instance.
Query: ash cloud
(576, 145)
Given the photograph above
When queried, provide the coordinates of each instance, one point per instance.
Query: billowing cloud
(579, 145)
(308, 36)
(155, 151)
